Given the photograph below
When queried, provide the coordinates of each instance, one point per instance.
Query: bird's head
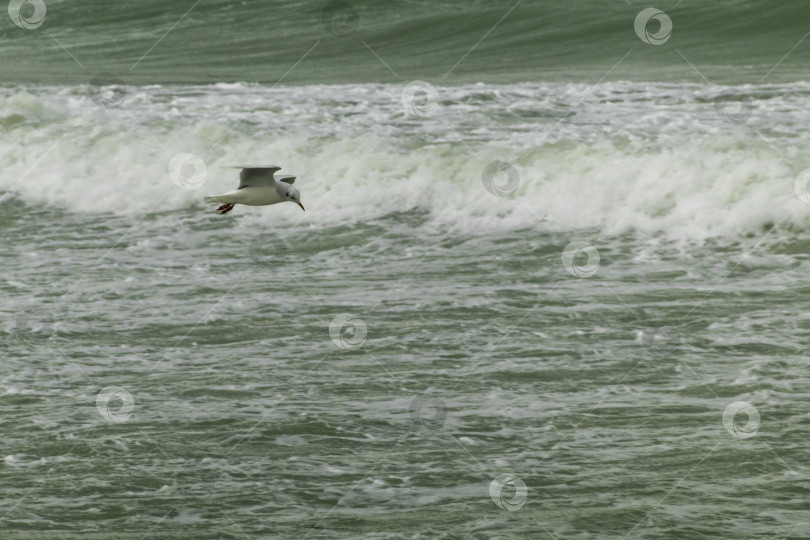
(294, 196)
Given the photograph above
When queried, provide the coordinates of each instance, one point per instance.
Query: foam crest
(722, 183)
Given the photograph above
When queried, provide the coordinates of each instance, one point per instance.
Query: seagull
(258, 186)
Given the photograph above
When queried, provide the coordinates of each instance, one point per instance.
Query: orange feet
(225, 208)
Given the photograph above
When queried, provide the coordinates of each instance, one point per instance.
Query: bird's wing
(288, 178)
(257, 176)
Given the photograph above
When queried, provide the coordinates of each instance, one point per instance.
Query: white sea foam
(651, 163)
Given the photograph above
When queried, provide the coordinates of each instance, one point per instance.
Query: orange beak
(301, 205)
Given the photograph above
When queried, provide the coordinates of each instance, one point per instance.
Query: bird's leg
(226, 208)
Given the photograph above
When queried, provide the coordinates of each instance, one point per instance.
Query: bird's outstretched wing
(288, 178)
(257, 176)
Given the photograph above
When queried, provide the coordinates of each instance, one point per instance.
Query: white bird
(258, 187)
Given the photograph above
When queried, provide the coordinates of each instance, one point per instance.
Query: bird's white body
(258, 187)
(250, 196)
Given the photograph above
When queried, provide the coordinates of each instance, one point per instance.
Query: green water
(549, 284)
(482, 356)
(729, 42)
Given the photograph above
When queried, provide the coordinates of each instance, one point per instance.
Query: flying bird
(258, 186)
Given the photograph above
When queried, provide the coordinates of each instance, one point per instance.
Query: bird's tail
(215, 199)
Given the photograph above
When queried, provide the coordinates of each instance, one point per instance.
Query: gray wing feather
(257, 176)
(288, 178)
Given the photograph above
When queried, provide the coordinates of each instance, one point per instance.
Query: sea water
(556, 293)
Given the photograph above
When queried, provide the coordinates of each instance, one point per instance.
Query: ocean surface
(551, 281)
